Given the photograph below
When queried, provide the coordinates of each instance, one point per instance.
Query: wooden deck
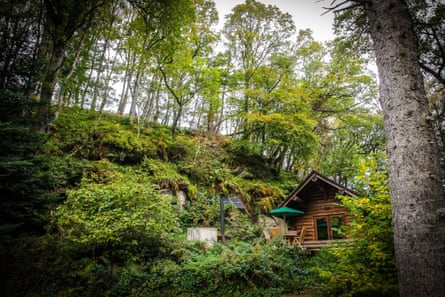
(316, 245)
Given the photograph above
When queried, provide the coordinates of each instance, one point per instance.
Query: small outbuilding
(322, 214)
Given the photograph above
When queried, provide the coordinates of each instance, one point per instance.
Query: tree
(280, 121)
(17, 28)
(429, 27)
(416, 185)
(116, 208)
(184, 64)
(24, 185)
(341, 94)
(429, 21)
(417, 194)
(255, 32)
(60, 25)
(42, 40)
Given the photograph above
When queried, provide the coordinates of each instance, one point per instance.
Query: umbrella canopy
(285, 212)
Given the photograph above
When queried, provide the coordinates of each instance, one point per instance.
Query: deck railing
(316, 245)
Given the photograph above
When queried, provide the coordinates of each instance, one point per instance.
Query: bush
(119, 210)
(234, 270)
(239, 270)
(249, 159)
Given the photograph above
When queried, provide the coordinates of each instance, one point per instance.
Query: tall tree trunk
(43, 115)
(153, 112)
(176, 120)
(67, 74)
(99, 75)
(135, 95)
(417, 193)
(151, 104)
(108, 83)
(124, 93)
(61, 21)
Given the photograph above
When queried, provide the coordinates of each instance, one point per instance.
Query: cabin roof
(315, 179)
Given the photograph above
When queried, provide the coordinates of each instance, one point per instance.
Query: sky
(306, 14)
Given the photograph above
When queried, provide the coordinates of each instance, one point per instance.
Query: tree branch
(442, 51)
(432, 72)
(338, 7)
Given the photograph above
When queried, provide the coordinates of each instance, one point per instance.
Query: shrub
(240, 269)
(249, 159)
(115, 208)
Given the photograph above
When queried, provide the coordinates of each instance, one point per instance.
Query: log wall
(322, 203)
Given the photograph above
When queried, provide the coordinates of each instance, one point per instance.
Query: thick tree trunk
(417, 194)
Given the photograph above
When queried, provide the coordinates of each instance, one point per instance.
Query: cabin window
(328, 228)
(336, 223)
(322, 229)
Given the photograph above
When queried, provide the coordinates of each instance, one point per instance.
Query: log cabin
(323, 212)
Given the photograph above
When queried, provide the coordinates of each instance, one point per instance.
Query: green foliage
(235, 270)
(182, 149)
(113, 232)
(125, 147)
(207, 166)
(196, 270)
(341, 94)
(367, 267)
(285, 132)
(203, 210)
(239, 226)
(67, 172)
(88, 134)
(248, 156)
(113, 224)
(113, 208)
(360, 134)
(116, 235)
(24, 181)
(166, 176)
(206, 172)
(71, 132)
(262, 197)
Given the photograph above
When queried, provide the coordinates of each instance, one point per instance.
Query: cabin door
(328, 227)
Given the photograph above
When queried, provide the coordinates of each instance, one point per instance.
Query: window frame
(329, 221)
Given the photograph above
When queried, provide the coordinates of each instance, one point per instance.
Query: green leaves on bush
(234, 270)
(124, 209)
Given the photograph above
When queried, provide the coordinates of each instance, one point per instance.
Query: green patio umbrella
(285, 212)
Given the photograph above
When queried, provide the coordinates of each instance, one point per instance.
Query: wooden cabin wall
(322, 203)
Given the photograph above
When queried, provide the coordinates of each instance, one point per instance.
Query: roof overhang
(315, 177)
